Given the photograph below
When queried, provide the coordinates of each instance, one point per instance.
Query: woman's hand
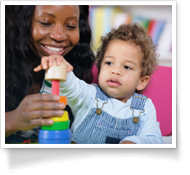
(34, 110)
(48, 61)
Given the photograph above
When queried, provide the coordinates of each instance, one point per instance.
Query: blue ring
(54, 135)
(60, 141)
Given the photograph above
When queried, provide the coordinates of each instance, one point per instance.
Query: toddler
(114, 111)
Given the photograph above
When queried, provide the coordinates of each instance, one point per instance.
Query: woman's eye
(127, 67)
(45, 23)
(72, 27)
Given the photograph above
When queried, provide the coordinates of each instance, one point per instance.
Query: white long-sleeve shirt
(115, 122)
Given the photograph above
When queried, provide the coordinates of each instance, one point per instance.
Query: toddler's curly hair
(139, 36)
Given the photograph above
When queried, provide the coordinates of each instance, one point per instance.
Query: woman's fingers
(43, 106)
(40, 122)
(42, 101)
(42, 113)
(42, 97)
(35, 109)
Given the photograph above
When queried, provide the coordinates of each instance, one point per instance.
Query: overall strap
(138, 103)
(100, 94)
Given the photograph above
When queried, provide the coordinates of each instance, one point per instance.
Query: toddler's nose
(116, 71)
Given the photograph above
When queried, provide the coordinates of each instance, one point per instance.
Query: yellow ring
(64, 117)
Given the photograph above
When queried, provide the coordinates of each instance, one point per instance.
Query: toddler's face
(55, 29)
(120, 70)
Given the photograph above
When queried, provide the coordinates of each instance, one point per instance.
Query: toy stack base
(57, 133)
(54, 137)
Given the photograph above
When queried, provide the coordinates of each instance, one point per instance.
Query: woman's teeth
(54, 49)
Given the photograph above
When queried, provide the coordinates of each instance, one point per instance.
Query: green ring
(57, 126)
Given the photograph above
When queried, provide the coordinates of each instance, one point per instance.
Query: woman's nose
(58, 34)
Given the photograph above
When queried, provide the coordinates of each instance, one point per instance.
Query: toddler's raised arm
(77, 91)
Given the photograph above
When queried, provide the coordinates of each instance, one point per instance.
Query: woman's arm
(10, 127)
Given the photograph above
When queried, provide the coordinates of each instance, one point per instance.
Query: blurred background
(156, 19)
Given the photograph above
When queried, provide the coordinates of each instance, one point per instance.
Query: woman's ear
(143, 83)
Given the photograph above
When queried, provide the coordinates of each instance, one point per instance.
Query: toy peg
(55, 87)
(59, 132)
(56, 72)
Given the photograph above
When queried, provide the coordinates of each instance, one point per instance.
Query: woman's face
(55, 29)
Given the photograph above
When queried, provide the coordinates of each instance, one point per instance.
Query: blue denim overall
(105, 128)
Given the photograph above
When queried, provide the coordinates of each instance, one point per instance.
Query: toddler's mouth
(113, 82)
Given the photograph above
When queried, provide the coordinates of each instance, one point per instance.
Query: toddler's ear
(143, 83)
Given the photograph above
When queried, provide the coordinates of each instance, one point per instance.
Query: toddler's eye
(109, 63)
(127, 67)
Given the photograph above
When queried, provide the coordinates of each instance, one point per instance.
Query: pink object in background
(159, 90)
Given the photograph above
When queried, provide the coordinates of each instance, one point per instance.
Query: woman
(33, 32)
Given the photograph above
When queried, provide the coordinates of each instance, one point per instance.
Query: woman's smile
(52, 50)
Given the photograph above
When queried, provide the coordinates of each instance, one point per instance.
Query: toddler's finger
(69, 67)
(44, 62)
(38, 68)
(59, 60)
(51, 60)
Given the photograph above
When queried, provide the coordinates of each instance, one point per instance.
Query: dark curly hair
(139, 36)
(20, 59)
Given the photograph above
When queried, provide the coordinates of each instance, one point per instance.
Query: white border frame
(173, 3)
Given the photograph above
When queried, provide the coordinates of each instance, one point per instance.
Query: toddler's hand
(48, 61)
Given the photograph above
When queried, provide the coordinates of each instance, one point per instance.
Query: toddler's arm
(78, 92)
